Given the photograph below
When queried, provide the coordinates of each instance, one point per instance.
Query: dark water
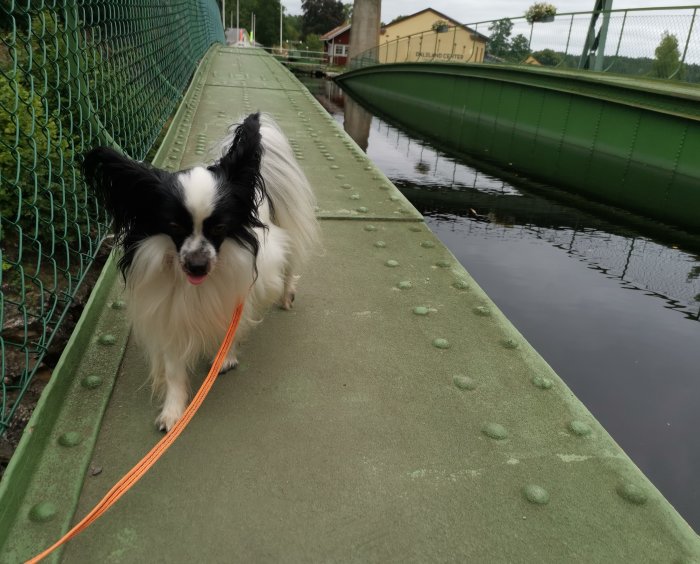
(614, 311)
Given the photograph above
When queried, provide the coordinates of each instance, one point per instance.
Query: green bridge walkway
(394, 415)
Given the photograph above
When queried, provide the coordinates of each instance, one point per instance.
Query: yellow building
(429, 35)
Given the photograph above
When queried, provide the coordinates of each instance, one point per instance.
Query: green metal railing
(74, 74)
(650, 42)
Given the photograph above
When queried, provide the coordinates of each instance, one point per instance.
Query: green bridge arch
(626, 141)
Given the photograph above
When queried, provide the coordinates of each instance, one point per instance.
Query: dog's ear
(241, 162)
(122, 185)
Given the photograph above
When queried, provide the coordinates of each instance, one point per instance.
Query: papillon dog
(195, 243)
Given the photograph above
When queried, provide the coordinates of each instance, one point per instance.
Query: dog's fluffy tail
(293, 201)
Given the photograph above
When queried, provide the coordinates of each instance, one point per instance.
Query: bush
(31, 161)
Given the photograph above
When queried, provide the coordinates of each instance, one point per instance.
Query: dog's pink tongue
(196, 280)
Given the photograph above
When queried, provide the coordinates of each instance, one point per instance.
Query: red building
(336, 44)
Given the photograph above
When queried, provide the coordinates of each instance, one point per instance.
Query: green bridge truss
(626, 141)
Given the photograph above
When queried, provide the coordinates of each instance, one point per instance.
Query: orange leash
(141, 467)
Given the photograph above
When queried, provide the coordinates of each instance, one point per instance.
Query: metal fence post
(687, 42)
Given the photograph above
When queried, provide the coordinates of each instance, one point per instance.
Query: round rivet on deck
(421, 310)
(542, 383)
(509, 344)
(415, 228)
(70, 439)
(362, 209)
(632, 493)
(391, 263)
(91, 381)
(107, 339)
(335, 167)
(354, 196)
(118, 304)
(404, 285)
(580, 428)
(346, 186)
(482, 310)
(427, 244)
(380, 244)
(42, 512)
(495, 431)
(460, 285)
(464, 382)
(536, 494)
(441, 343)
(394, 198)
(370, 227)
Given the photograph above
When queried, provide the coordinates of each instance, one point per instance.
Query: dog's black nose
(197, 264)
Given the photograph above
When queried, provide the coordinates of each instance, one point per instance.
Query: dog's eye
(219, 230)
(176, 228)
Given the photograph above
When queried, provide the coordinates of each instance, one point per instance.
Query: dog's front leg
(176, 395)
(231, 360)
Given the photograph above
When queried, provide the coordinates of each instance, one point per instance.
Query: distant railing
(651, 42)
(74, 74)
(291, 56)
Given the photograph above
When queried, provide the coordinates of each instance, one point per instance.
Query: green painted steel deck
(622, 140)
(393, 415)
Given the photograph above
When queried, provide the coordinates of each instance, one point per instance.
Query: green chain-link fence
(74, 74)
(649, 42)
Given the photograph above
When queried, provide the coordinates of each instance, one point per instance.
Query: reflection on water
(613, 310)
(357, 122)
(450, 192)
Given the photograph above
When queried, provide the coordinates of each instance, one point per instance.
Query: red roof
(335, 32)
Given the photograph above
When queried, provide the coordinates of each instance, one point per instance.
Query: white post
(238, 27)
(281, 17)
(223, 14)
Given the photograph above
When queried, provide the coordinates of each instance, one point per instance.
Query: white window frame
(340, 50)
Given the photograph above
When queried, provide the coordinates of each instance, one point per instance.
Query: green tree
(499, 40)
(313, 42)
(292, 28)
(547, 57)
(668, 58)
(320, 16)
(519, 49)
(267, 18)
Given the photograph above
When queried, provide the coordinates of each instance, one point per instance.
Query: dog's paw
(167, 419)
(287, 301)
(229, 364)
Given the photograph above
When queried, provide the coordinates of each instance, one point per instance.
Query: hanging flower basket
(440, 26)
(540, 12)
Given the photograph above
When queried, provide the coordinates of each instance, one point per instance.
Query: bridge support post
(594, 48)
(364, 33)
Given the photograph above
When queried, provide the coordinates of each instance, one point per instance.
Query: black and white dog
(199, 241)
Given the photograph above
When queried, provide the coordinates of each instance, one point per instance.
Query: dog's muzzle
(196, 267)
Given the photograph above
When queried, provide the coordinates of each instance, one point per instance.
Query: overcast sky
(470, 11)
